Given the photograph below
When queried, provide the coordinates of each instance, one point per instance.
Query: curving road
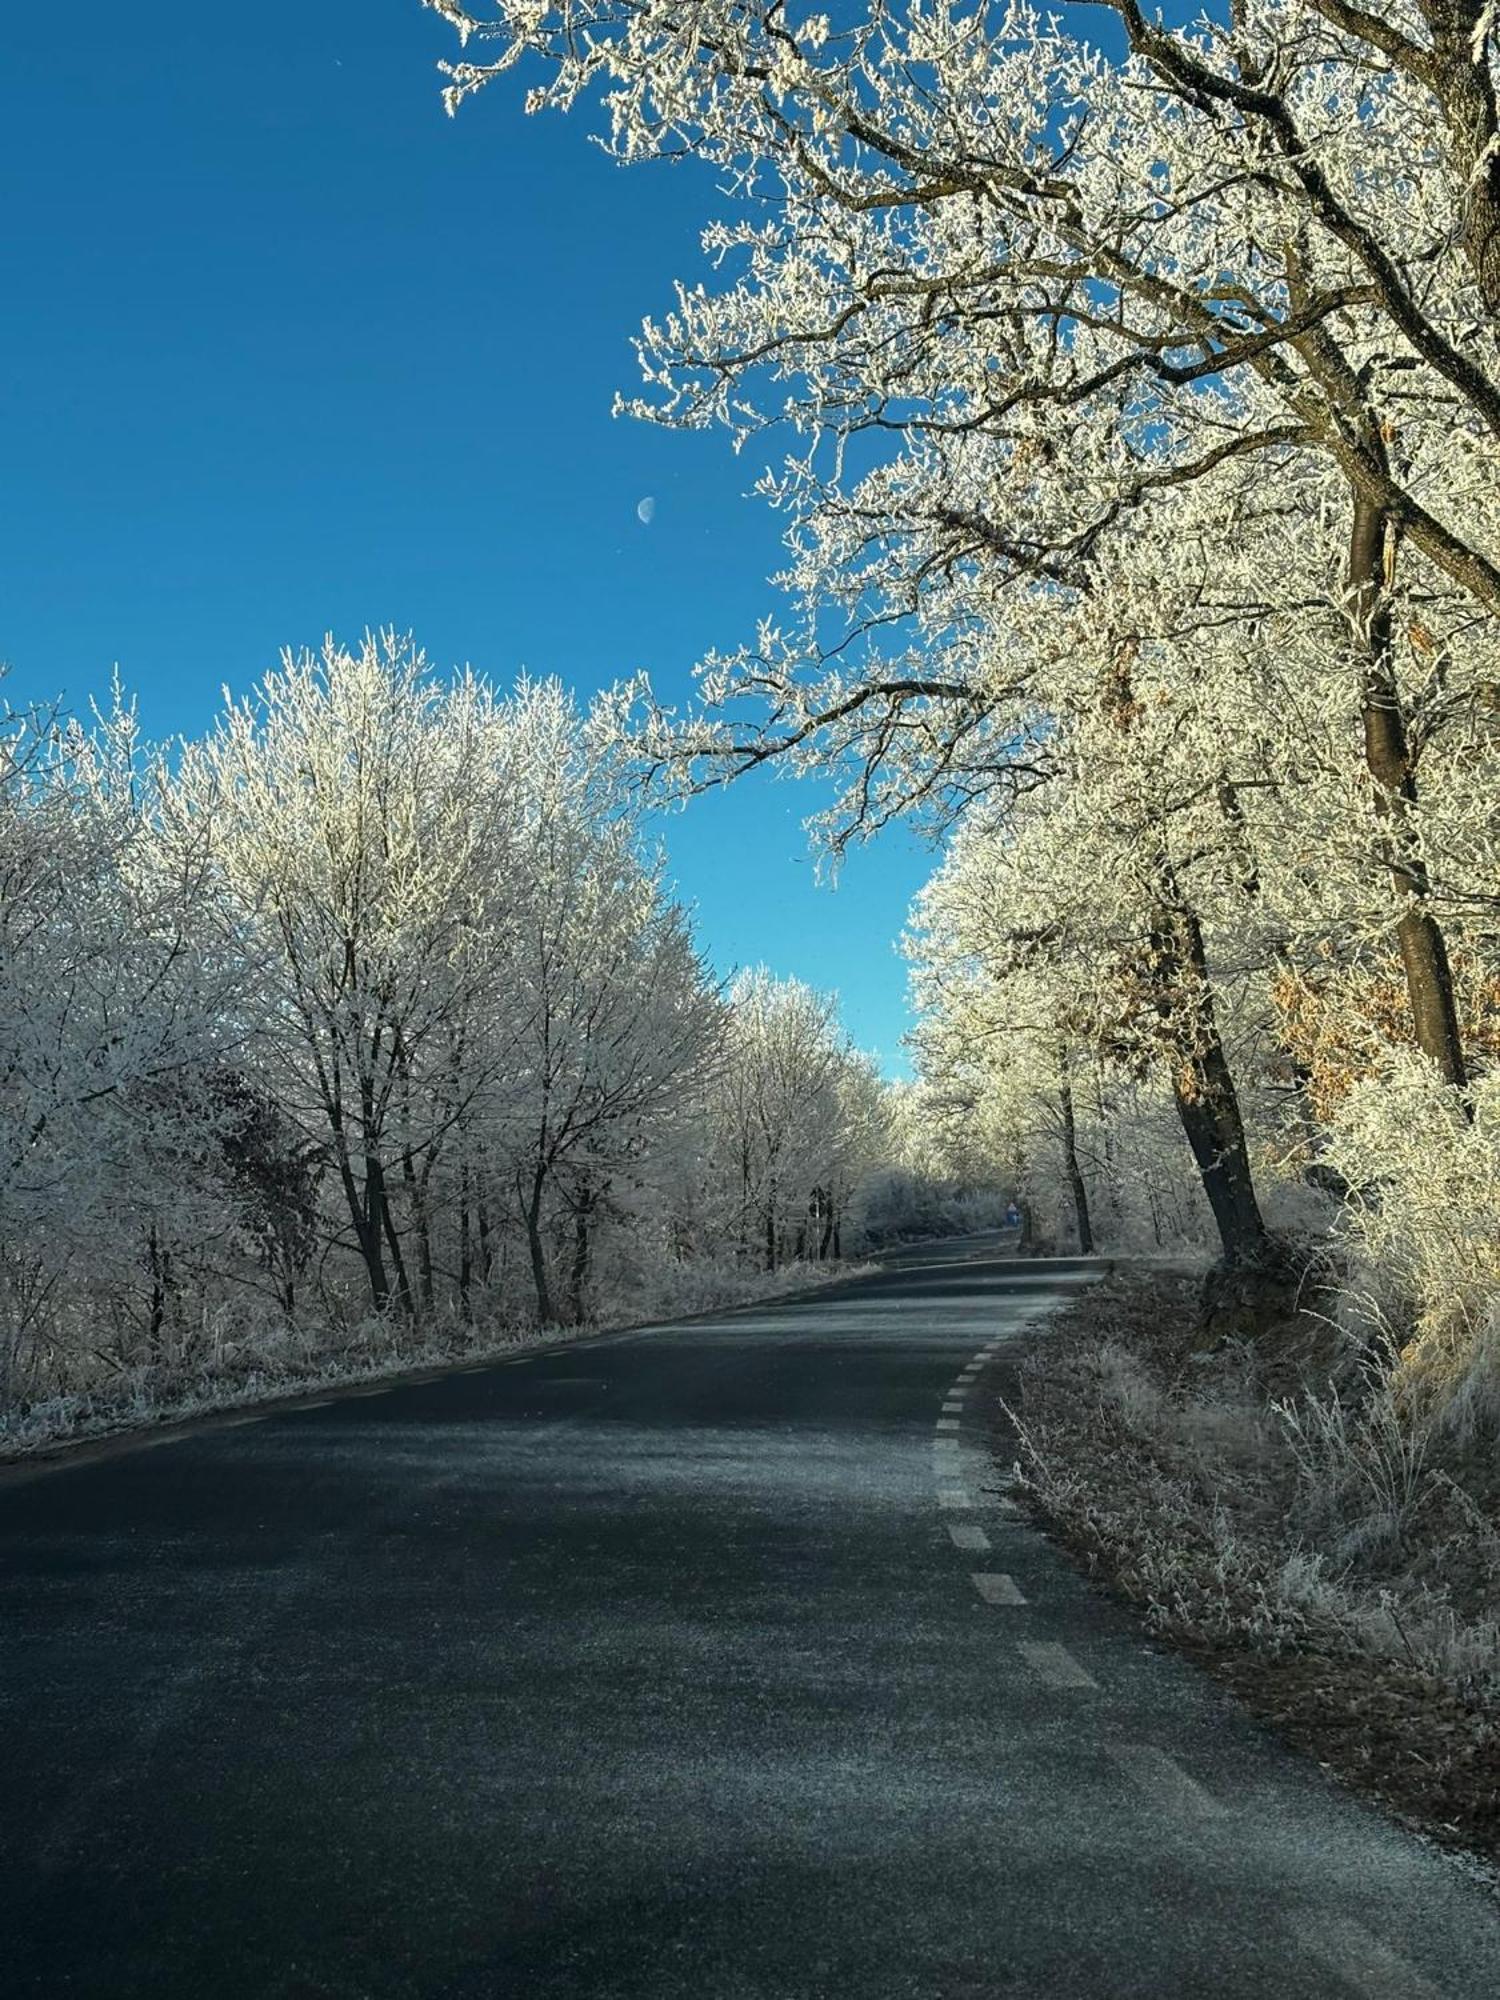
(701, 1663)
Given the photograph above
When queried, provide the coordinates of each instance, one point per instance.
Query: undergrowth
(1329, 1548)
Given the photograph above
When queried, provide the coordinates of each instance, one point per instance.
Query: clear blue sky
(286, 350)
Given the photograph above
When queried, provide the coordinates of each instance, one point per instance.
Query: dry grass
(1334, 1559)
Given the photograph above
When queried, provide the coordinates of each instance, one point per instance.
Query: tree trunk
(1155, 1206)
(830, 1229)
(1112, 1196)
(578, 1273)
(158, 1260)
(486, 1245)
(538, 1249)
(374, 1262)
(465, 1251)
(417, 1195)
(1026, 1234)
(1462, 84)
(1202, 1085)
(383, 1222)
(1424, 954)
(366, 1234)
(1075, 1172)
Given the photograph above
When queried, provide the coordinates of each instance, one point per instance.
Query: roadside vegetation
(233, 1357)
(1329, 1550)
(366, 1031)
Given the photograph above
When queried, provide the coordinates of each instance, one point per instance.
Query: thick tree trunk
(1424, 954)
(1461, 80)
(373, 1257)
(1210, 1119)
(1202, 1085)
(1253, 1288)
(1076, 1183)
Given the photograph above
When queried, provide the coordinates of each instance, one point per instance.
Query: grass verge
(1339, 1571)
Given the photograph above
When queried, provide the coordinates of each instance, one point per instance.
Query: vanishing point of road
(705, 1662)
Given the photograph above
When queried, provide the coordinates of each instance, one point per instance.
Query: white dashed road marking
(1359, 1959)
(953, 1496)
(1163, 1779)
(996, 1588)
(947, 1423)
(967, 1535)
(1054, 1664)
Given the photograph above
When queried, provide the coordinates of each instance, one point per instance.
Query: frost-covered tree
(1009, 293)
(795, 1116)
(110, 1008)
(620, 1021)
(948, 1167)
(360, 848)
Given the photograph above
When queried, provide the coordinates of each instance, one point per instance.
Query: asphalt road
(692, 1664)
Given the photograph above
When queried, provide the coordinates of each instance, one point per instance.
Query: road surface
(701, 1663)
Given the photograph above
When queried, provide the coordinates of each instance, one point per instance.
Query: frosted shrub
(1424, 1226)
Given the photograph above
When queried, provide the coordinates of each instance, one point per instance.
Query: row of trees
(374, 1001)
(1139, 407)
